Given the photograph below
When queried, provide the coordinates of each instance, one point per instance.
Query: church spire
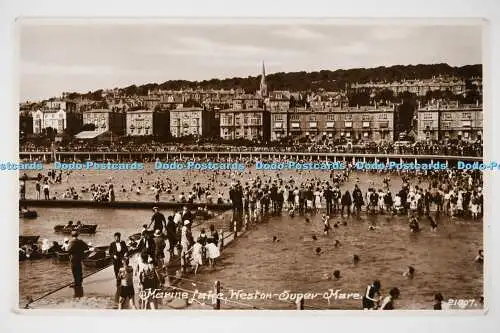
(263, 85)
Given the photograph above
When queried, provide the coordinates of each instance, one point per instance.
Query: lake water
(443, 260)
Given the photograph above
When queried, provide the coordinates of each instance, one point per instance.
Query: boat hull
(85, 229)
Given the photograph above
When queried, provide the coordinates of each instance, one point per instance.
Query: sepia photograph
(251, 164)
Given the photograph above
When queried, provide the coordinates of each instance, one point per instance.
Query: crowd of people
(450, 148)
(426, 196)
(164, 242)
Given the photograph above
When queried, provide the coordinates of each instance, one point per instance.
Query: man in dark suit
(77, 249)
(117, 250)
(328, 195)
(186, 215)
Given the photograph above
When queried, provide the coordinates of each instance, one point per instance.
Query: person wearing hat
(77, 249)
(171, 234)
(65, 244)
(117, 250)
(185, 237)
(186, 214)
(160, 245)
(158, 220)
(146, 244)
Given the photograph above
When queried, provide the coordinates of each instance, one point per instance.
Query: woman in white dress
(286, 194)
(212, 253)
(296, 198)
(317, 199)
(184, 239)
(397, 204)
(196, 256)
(459, 207)
(474, 208)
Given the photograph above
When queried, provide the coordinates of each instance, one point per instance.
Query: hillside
(304, 81)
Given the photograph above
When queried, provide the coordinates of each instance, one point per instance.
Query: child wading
(326, 223)
(125, 275)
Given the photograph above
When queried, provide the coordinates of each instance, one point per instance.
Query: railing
(47, 157)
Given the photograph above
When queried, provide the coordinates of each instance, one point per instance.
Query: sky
(81, 56)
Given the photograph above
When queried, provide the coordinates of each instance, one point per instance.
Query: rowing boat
(84, 229)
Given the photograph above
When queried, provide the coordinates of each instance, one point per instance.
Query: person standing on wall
(77, 249)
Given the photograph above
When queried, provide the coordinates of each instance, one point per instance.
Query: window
(348, 117)
(428, 124)
(365, 134)
(295, 125)
(278, 125)
(467, 123)
(330, 117)
(366, 124)
(348, 134)
(466, 115)
(348, 124)
(447, 116)
(330, 124)
(382, 116)
(294, 117)
(446, 124)
(312, 118)
(278, 117)
(313, 124)
(427, 115)
(366, 117)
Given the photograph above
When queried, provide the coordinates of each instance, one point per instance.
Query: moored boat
(84, 229)
(28, 214)
(62, 256)
(27, 240)
(97, 263)
(97, 259)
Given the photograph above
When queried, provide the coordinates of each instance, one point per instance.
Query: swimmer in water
(439, 303)
(433, 223)
(409, 273)
(355, 259)
(318, 251)
(372, 296)
(388, 302)
(414, 226)
(314, 237)
(275, 239)
(337, 243)
(336, 274)
(480, 257)
(326, 223)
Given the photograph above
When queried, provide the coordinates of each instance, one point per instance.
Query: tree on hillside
(361, 98)
(88, 127)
